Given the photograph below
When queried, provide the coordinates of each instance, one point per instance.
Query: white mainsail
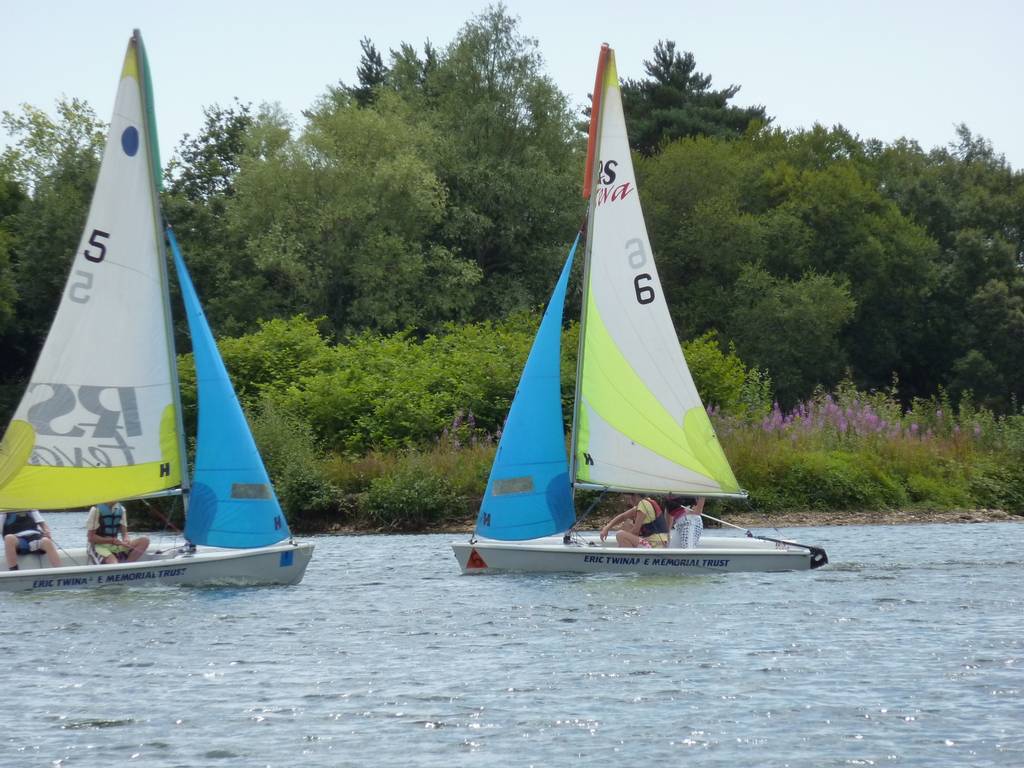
(99, 418)
(639, 422)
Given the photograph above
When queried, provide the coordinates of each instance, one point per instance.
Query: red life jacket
(658, 525)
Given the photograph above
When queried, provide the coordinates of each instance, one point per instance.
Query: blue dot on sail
(130, 140)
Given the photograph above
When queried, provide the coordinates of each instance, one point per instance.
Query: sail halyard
(153, 148)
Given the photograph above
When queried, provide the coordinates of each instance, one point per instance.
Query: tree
(509, 159)
(201, 181)
(371, 73)
(53, 163)
(336, 222)
(677, 101)
(791, 328)
(203, 167)
(12, 196)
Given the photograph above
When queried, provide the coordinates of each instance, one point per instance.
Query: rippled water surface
(907, 651)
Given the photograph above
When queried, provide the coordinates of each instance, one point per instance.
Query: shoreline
(771, 520)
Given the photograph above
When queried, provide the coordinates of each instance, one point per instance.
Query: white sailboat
(101, 417)
(638, 425)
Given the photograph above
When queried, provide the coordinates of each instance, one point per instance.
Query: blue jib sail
(528, 493)
(232, 503)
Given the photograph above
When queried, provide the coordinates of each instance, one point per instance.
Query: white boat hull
(283, 563)
(588, 554)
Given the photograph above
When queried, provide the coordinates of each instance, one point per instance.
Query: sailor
(645, 524)
(107, 527)
(687, 522)
(25, 532)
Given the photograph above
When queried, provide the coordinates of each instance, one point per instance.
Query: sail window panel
(251, 491)
(512, 485)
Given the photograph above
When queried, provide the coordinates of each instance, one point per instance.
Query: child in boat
(645, 524)
(687, 522)
(26, 532)
(107, 528)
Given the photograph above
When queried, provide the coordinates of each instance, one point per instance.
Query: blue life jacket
(109, 520)
(19, 522)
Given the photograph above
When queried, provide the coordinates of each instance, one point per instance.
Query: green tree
(677, 101)
(791, 328)
(12, 196)
(509, 159)
(337, 221)
(54, 162)
(200, 182)
(371, 73)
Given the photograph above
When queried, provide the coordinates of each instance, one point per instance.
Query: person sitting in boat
(687, 522)
(26, 532)
(107, 528)
(645, 524)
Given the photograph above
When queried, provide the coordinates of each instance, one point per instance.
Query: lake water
(907, 651)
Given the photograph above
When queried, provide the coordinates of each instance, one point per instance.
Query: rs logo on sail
(606, 192)
(46, 417)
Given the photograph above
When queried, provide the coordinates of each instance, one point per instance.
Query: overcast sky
(881, 68)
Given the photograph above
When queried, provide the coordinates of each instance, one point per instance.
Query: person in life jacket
(645, 524)
(26, 532)
(107, 527)
(687, 522)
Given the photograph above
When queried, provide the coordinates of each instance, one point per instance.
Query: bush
(997, 484)
(723, 381)
(937, 491)
(795, 479)
(410, 499)
(295, 466)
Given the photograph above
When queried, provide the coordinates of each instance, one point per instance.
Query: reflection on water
(907, 650)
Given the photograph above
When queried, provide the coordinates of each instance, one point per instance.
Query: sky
(883, 69)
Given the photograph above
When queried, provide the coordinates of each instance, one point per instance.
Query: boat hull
(283, 563)
(590, 555)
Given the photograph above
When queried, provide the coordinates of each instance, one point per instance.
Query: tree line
(441, 189)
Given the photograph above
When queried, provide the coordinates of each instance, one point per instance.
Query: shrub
(723, 381)
(997, 484)
(295, 466)
(937, 491)
(410, 499)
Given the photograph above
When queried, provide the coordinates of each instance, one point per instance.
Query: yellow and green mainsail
(100, 418)
(639, 424)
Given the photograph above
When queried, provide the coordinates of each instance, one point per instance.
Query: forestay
(639, 422)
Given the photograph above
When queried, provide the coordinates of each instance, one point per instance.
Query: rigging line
(69, 556)
(816, 552)
(724, 522)
(167, 522)
(568, 534)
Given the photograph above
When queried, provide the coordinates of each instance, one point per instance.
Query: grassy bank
(394, 433)
(845, 457)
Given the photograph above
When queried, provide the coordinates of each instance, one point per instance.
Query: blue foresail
(528, 493)
(232, 503)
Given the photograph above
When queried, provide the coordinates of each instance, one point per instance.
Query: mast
(591, 177)
(153, 148)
